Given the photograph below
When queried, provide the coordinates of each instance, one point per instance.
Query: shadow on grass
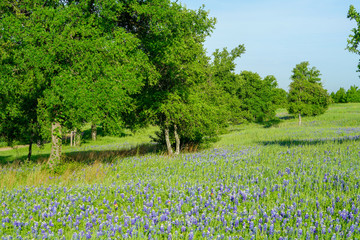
(89, 156)
(271, 123)
(4, 159)
(296, 142)
(234, 130)
(287, 117)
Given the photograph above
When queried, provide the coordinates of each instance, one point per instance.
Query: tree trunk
(168, 143)
(177, 140)
(74, 138)
(77, 138)
(55, 154)
(93, 132)
(30, 149)
(299, 119)
(71, 138)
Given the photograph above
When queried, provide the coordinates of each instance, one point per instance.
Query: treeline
(352, 95)
(128, 64)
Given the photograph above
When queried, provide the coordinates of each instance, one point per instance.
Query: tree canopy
(343, 96)
(224, 76)
(306, 96)
(116, 62)
(172, 36)
(124, 64)
(340, 96)
(73, 58)
(354, 38)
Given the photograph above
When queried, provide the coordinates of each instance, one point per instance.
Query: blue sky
(278, 34)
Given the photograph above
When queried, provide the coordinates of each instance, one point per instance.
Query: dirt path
(10, 148)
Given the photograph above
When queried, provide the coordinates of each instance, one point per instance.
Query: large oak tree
(172, 36)
(73, 58)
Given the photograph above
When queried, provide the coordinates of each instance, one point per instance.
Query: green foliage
(172, 36)
(340, 96)
(280, 98)
(223, 67)
(72, 61)
(228, 82)
(250, 98)
(257, 96)
(353, 94)
(201, 119)
(306, 95)
(354, 38)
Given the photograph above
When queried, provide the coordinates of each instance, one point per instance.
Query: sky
(278, 34)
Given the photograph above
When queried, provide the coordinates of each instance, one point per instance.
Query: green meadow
(333, 129)
(272, 181)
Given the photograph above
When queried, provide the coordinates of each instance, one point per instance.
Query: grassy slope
(317, 134)
(104, 146)
(339, 121)
(284, 168)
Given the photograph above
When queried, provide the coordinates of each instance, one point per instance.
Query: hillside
(266, 182)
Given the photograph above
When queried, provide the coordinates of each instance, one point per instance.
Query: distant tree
(340, 96)
(306, 96)
(353, 94)
(223, 67)
(256, 96)
(279, 98)
(332, 96)
(223, 74)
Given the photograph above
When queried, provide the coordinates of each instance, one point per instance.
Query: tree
(172, 36)
(354, 38)
(279, 98)
(224, 76)
(340, 96)
(199, 120)
(80, 62)
(306, 96)
(353, 94)
(256, 96)
(18, 116)
(332, 95)
(223, 67)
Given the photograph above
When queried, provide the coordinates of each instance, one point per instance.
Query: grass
(294, 182)
(337, 125)
(339, 121)
(104, 148)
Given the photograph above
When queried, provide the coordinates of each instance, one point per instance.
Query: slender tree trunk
(77, 138)
(74, 138)
(30, 149)
(177, 140)
(55, 154)
(93, 132)
(71, 138)
(299, 119)
(168, 143)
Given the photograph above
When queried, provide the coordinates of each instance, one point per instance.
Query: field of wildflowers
(283, 182)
